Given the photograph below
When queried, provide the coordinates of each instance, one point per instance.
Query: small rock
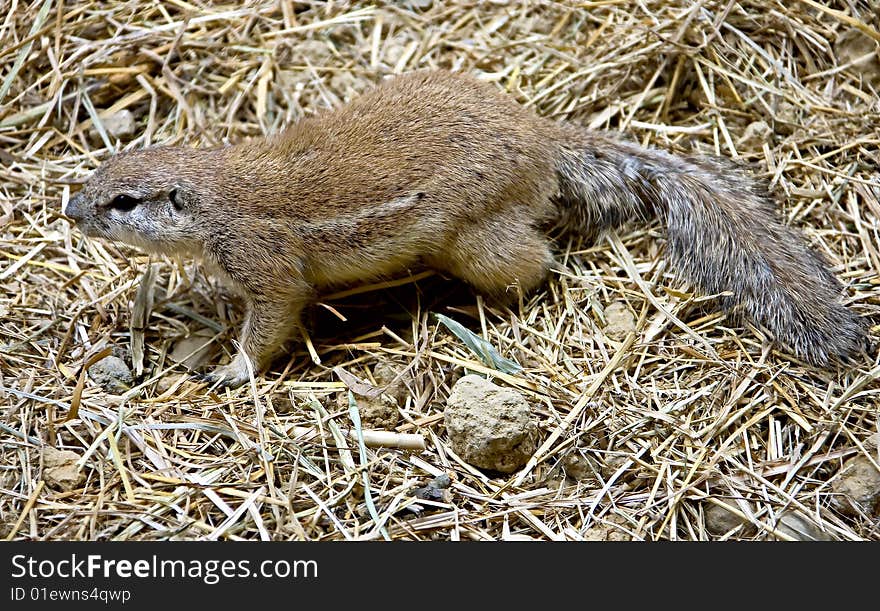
(857, 488)
(112, 374)
(755, 135)
(489, 426)
(619, 320)
(579, 467)
(120, 124)
(854, 46)
(386, 375)
(378, 413)
(612, 464)
(59, 468)
(169, 381)
(572, 469)
(697, 98)
(614, 528)
(282, 404)
(800, 528)
(720, 520)
(193, 351)
(436, 490)
(381, 412)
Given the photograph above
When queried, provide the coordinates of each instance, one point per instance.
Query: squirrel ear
(175, 199)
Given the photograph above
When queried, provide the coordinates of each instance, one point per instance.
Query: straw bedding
(655, 431)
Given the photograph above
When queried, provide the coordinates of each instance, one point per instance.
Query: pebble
(112, 374)
(489, 426)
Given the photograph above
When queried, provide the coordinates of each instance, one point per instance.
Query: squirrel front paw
(230, 376)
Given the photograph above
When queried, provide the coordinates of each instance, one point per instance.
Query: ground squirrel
(443, 170)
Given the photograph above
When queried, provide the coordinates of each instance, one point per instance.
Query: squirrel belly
(442, 169)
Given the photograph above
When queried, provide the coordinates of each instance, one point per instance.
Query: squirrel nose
(76, 208)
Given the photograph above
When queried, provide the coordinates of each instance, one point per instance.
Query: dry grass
(646, 434)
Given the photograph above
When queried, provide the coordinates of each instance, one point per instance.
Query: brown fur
(439, 169)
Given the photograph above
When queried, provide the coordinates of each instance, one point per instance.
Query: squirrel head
(148, 198)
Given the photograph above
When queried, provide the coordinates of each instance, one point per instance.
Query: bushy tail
(723, 236)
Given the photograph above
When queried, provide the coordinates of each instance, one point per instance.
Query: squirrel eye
(172, 197)
(124, 202)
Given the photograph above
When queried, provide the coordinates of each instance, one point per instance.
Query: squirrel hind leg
(499, 258)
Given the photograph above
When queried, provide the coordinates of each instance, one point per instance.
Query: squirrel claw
(227, 376)
(198, 376)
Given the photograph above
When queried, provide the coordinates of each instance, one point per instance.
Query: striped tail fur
(723, 235)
